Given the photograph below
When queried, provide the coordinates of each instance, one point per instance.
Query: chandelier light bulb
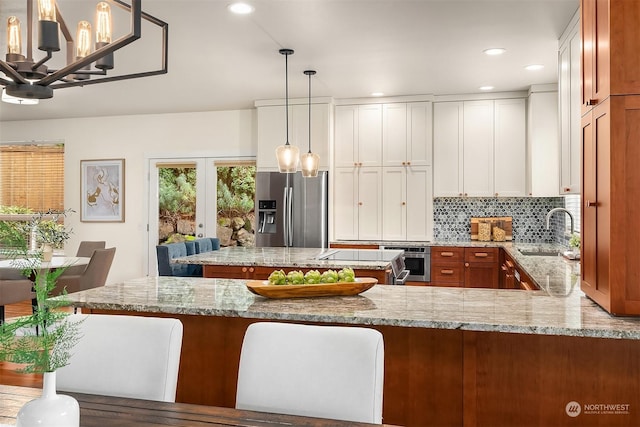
(47, 10)
(103, 23)
(14, 36)
(83, 39)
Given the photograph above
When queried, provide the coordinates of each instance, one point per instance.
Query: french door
(204, 208)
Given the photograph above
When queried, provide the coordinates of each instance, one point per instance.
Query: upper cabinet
(272, 132)
(382, 185)
(569, 92)
(542, 135)
(479, 148)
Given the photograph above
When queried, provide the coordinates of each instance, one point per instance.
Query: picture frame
(102, 190)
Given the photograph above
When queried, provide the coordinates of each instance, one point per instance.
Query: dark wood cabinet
(610, 135)
(481, 267)
(249, 272)
(447, 266)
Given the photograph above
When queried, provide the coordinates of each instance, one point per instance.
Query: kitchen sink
(538, 253)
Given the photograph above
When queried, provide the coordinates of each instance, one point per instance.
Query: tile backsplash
(452, 216)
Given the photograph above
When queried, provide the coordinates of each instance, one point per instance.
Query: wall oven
(417, 260)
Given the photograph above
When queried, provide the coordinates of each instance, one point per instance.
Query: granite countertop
(511, 311)
(279, 257)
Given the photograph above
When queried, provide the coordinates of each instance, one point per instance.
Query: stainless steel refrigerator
(292, 210)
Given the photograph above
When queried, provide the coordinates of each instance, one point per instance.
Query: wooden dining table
(106, 411)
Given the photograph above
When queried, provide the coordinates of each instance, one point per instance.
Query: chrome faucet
(552, 211)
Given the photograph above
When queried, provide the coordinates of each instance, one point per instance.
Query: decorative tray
(263, 288)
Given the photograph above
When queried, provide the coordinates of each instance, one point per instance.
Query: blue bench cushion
(203, 245)
(168, 252)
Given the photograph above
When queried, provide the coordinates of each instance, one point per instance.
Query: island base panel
(436, 377)
(262, 273)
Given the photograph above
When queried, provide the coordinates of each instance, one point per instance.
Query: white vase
(47, 252)
(50, 409)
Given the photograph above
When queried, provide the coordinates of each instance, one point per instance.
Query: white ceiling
(220, 61)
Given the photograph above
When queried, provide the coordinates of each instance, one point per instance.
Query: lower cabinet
(465, 267)
(262, 273)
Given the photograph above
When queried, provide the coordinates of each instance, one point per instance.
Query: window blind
(32, 176)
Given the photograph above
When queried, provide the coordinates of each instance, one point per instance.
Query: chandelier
(27, 79)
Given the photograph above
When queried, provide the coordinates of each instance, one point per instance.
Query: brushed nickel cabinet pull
(592, 102)
(481, 254)
(446, 254)
(446, 271)
(592, 204)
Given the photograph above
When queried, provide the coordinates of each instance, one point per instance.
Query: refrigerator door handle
(290, 218)
(285, 203)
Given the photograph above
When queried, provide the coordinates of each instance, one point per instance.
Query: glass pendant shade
(287, 156)
(309, 164)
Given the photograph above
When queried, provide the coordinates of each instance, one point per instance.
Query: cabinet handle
(359, 203)
(446, 254)
(404, 163)
(446, 272)
(465, 194)
(251, 270)
(592, 102)
(503, 267)
(567, 189)
(460, 194)
(496, 194)
(408, 163)
(509, 264)
(404, 203)
(244, 269)
(466, 264)
(355, 163)
(591, 204)
(481, 254)
(360, 164)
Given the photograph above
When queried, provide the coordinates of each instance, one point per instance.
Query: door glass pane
(176, 202)
(235, 201)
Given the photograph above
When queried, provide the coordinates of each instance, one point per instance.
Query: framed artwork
(102, 190)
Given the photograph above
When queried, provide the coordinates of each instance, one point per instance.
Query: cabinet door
(369, 135)
(543, 150)
(419, 203)
(447, 149)
(394, 203)
(481, 275)
(419, 133)
(569, 95)
(394, 134)
(510, 147)
(345, 205)
(271, 134)
(370, 203)
(595, 52)
(596, 205)
(346, 136)
(320, 126)
(477, 149)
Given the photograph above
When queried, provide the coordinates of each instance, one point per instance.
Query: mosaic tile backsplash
(452, 216)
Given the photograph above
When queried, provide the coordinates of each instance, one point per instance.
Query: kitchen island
(257, 263)
(453, 356)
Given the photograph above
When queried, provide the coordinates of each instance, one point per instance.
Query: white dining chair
(317, 371)
(124, 356)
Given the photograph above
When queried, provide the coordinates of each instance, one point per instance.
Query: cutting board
(507, 223)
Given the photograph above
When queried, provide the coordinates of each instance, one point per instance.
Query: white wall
(134, 138)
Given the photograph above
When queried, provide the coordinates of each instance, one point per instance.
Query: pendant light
(309, 162)
(287, 154)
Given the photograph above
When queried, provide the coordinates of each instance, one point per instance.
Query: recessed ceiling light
(495, 51)
(240, 8)
(486, 88)
(377, 94)
(534, 67)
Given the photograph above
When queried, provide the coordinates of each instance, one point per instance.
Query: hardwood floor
(8, 374)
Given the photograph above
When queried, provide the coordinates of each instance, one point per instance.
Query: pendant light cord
(286, 92)
(309, 113)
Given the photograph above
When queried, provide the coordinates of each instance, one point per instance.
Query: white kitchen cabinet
(358, 203)
(394, 134)
(569, 90)
(407, 200)
(542, 134)
(510, 148)
(447, 149)
(479, 148)
(407, 134)
(358, 135)
(272, 132)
